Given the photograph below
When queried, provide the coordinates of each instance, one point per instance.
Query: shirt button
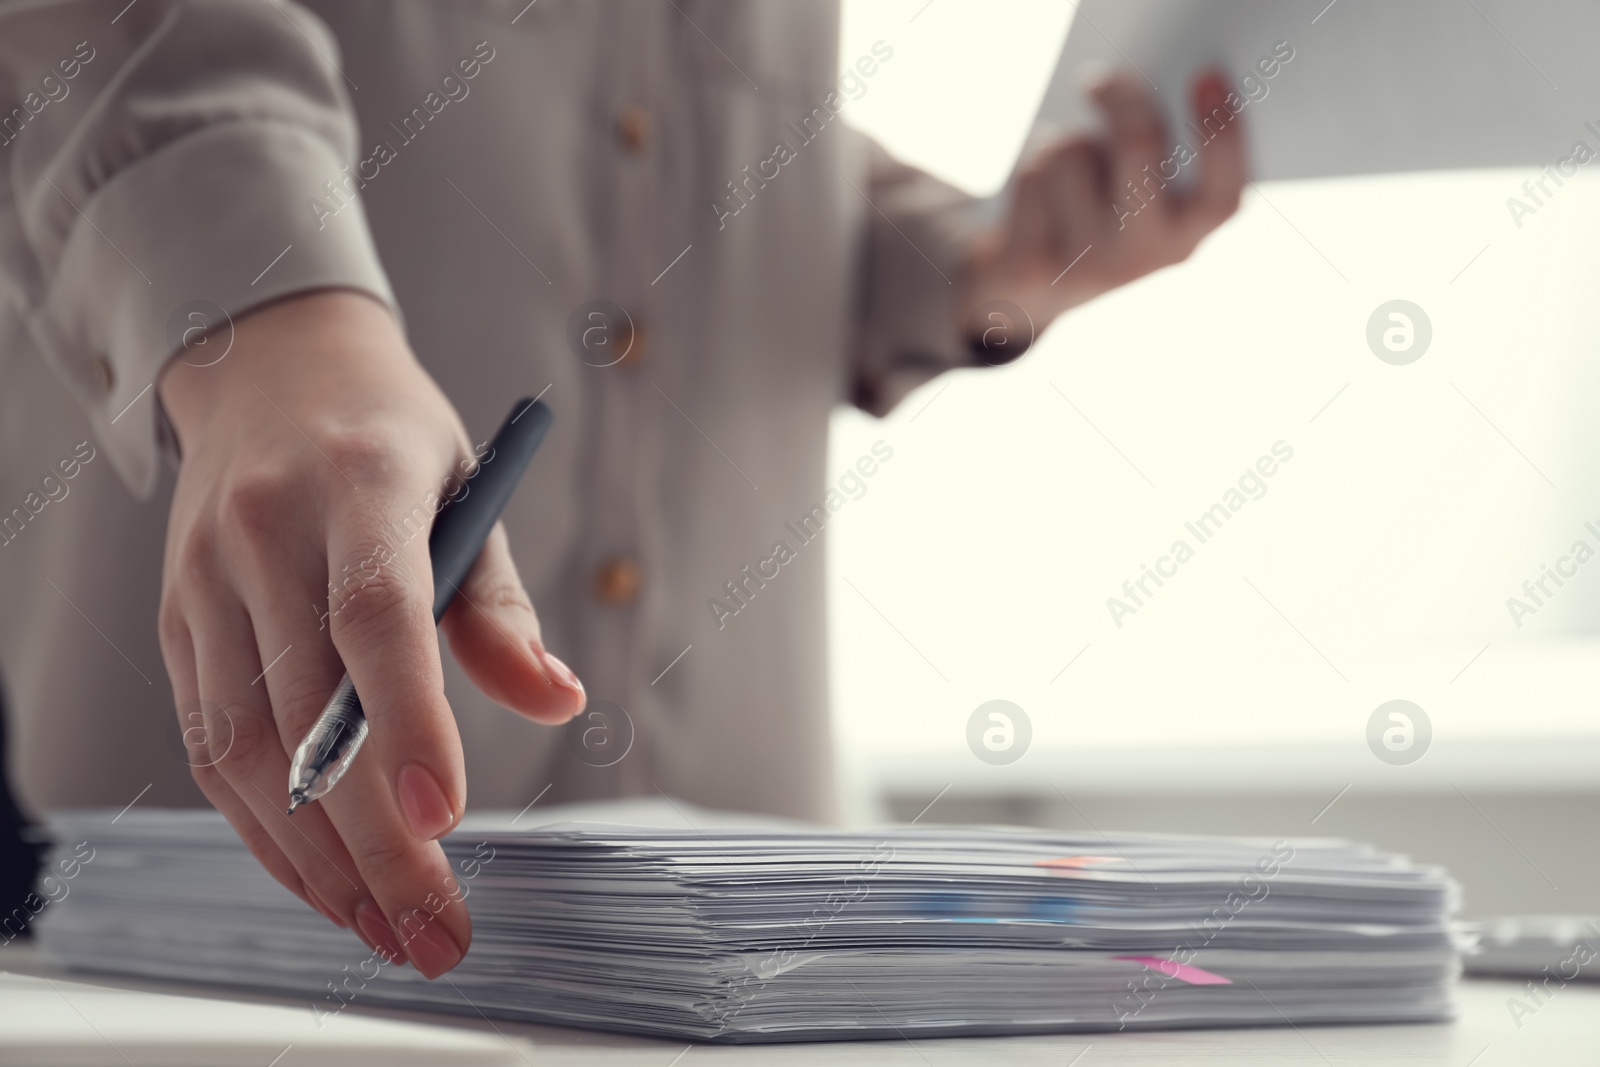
(633, 128)
(617, 581)
(635, 346)
(105, 375)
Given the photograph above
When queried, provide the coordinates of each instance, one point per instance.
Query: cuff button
(633, 128)
(618, 580)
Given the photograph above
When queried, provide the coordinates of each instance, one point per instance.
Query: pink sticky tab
(1181, 971)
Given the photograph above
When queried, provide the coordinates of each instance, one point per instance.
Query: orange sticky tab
(1075, 862)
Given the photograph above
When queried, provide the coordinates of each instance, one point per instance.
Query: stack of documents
(772, 931)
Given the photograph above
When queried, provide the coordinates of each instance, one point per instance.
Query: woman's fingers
(409, 786)
(1224, 166)
(366, 849)
(399, 875)
(1137, 145)
(1077, 174)
(416, 900)
(251, 761)
(386, 638)
(1143, 164)
(495, 636)
(207, 737)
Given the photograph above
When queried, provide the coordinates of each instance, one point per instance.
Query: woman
(219, 213)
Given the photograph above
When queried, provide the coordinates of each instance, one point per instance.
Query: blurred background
(1376, 566)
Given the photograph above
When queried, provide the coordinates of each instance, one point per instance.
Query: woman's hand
(314, 456)
(1089, 214)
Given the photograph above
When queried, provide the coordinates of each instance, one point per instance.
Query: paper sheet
(1371, 86)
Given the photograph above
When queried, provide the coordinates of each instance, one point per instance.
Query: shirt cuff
(920, 234)
(189, 239)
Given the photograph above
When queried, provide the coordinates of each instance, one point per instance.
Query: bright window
(1377, 562)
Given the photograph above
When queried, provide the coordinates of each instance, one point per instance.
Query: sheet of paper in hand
(1354, 86)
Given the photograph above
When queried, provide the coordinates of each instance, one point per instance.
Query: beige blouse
(653, 214)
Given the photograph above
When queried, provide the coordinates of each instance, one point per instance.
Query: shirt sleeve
(917, 232)
(165, 166)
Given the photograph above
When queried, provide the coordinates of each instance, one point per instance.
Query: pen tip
(294, 802)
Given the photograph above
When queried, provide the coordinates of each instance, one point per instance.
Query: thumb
(494, 634)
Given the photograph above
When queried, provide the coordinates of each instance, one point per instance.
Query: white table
(1565, 1029)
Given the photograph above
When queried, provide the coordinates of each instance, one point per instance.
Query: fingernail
(562, 673)
(432, 950)
(327, 912)
(378, 933)
(423, 802)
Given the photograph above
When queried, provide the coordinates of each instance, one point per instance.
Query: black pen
(458, 535)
